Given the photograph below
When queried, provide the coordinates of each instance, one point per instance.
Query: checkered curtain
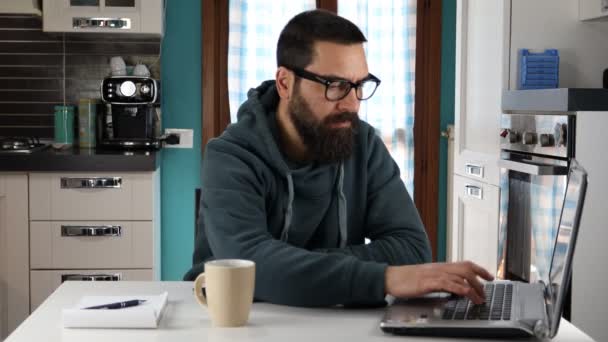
(547, 194)
(254, 28)
(390, 28)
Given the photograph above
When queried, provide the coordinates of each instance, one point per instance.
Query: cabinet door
(45, 282)
(482, 40)
(92, 196)
(14, 261)
(593, 9)
(70, 244)
(475, 222)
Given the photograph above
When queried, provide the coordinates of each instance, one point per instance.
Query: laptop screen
(559, 274)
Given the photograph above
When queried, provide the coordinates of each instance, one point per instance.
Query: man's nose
(350, 103)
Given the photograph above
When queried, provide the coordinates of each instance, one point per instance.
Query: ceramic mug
(229, 286)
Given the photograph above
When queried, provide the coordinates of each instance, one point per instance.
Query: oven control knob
(529, 138)
(561, 134)
(547, 140)
(127, 88)
(513, 137)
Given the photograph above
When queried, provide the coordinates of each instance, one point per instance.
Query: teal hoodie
(304, 226)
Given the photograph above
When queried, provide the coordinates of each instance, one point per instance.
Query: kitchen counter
(80, 160)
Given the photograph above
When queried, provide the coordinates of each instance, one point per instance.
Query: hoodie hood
(258, 132)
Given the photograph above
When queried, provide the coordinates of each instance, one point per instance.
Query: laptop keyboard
(497, 305)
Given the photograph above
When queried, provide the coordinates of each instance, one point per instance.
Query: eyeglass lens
(339, 89)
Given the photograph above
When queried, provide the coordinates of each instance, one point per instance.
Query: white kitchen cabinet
(589, 277)
(482, 62)
(14, 261)
(20, 7)
(482, 38)
(593, 9)
(103, 224)
(475, 222)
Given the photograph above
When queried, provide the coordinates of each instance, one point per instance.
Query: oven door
(532, 191)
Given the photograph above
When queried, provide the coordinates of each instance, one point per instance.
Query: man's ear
(284, 79)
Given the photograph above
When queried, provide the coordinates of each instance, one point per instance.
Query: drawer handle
(91, 183)
(474, 191)
(91, 230)
(474, 170)
(91, 277)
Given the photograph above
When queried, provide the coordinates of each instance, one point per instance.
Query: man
(299, 182)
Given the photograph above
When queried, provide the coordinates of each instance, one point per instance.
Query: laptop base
(458, 332)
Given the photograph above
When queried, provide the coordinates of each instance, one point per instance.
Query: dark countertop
(80, 160)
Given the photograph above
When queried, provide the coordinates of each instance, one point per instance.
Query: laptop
(512, 308)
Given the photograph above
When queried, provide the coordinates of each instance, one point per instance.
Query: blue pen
(118, 305)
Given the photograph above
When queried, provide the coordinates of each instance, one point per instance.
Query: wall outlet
(185, 137)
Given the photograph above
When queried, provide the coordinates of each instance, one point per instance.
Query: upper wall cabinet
(103, 16)
(21, 6)
(593, 9)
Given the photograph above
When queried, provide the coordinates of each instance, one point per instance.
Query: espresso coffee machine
(129, 119)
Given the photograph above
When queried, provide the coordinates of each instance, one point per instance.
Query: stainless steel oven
(536, 149)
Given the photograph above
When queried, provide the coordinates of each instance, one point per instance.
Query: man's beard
(325, 144)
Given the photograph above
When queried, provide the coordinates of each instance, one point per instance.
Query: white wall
(583, 46)
(589, 277)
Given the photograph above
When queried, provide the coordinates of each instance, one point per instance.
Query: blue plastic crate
(538, 70)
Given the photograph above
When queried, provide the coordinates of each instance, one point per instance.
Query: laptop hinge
(543, 329)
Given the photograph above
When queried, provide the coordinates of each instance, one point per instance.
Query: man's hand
(460, 278)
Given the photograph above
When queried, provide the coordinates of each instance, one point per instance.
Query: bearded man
(299, 183)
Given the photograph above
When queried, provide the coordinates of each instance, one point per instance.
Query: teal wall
(181, 108)
(448, 55)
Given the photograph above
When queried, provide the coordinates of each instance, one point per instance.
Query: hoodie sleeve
(234, 213)
(392, 222)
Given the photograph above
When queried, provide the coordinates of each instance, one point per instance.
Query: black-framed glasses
(336, 89)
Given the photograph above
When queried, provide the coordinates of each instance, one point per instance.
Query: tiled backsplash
(40, 70)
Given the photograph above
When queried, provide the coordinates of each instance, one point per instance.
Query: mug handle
(199, 283)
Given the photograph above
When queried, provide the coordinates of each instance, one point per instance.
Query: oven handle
(533, 168)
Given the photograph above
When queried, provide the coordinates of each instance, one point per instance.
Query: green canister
(64, 125)
(87, 114)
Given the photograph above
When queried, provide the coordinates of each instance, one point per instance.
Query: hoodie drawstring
(289, 210)
(342, 207)
(342, 224)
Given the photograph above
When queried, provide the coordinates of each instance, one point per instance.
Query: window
(252, 59)
(252, 42)
(390, 28)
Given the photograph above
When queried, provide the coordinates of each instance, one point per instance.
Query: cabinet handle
(91, 277)
(91, 230)
(111, 23)
(91, 183)
(474, 170)
(531, 168)
(474, 191)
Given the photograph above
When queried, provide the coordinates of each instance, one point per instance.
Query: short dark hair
(296, 42)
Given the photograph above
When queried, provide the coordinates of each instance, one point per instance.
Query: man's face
(327, 127)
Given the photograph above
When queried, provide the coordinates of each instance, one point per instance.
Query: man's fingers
(463, 290)
(482, 272)
(468, 271)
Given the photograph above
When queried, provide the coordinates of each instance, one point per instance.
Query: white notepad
(145, 315)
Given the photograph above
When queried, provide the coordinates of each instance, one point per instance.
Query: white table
(185, 320)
